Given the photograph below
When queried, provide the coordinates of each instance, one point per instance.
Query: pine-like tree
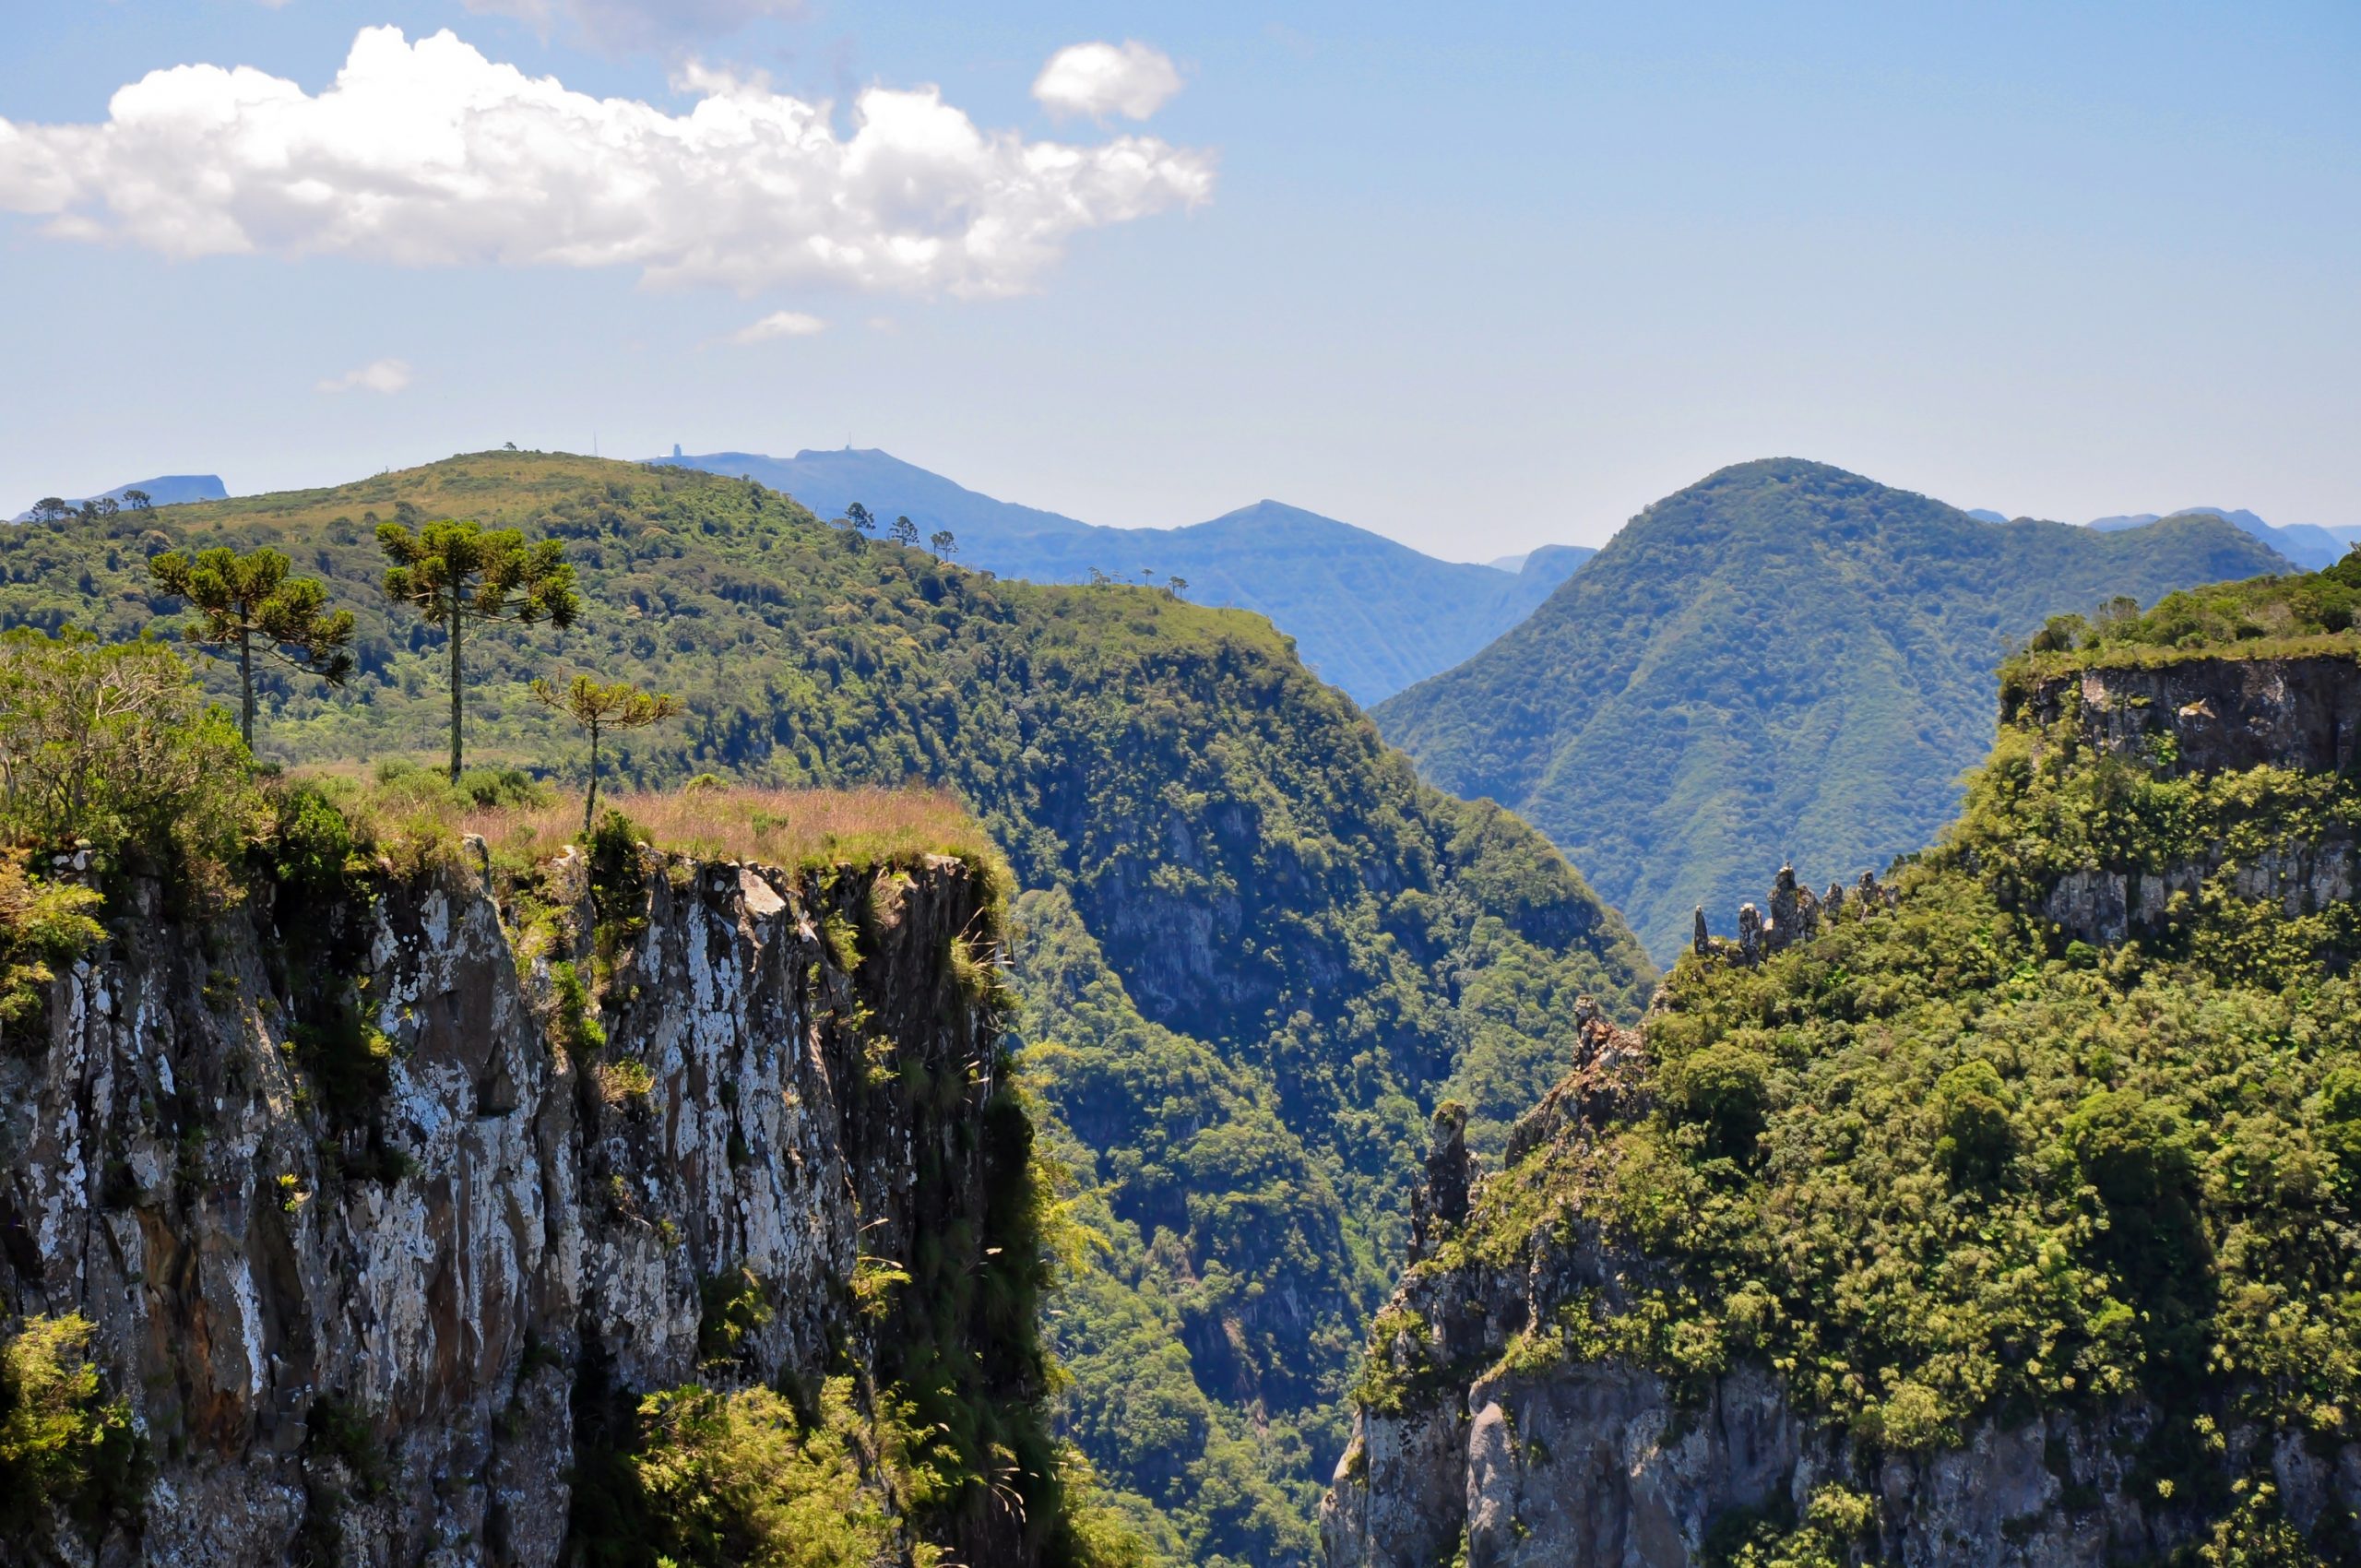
(249, 604)
(597, 709)
(453, 573)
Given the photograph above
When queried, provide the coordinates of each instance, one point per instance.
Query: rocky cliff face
(2203, 717)
(1491, 1432)
(2212, 715)
(366, 1324)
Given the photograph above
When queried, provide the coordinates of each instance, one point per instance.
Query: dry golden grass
(412, 817)
(780, 827)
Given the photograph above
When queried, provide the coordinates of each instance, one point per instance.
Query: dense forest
(1783, 660)
(1237, 877)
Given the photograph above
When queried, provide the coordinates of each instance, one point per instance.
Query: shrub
(579, 1033)
(41, 924)
(2133, 1149)
(2340, 1110)
(62, 1443)
(1723, 1090)
(737, 1306)
(736, 1480)
(114, 745)
(311, 843)
(1976, 1137)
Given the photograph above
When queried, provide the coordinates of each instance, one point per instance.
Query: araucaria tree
(249, 604)
(597, 709)
(905, 533)
(453, 573)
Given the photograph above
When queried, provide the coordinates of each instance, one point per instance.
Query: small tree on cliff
(453, 573)
(597, 709)
(249, 604)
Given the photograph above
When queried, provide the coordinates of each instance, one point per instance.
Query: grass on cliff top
(411, 815)
(2306, 614)
(794, 829)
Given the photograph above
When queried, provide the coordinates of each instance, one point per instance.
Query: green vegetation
(62, 1443)
(114, 748)
(597, 709)
(957, 1438)
(739, 1479)
(43, 925)
(454, 573)
(2260, 617)
(1368, 614)
(1199, 1217)
(1266, 879)
(246, 601)
(1946, 1162)
(1782, 662)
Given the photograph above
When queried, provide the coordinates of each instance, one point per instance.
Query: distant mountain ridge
(1369, 615)
(2306, 544)
(1782, 660)
(165, 489)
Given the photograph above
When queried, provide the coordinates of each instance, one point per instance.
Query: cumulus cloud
(427, 154)
(1100, 80)
(379, 375)
(779, 324)
(641, 24)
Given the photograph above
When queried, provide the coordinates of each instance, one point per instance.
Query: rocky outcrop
(2212, 715)
(365, 1328)
(1796, 914)
(2200, 717)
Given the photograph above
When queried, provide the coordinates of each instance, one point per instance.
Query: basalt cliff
(386, 1201)
(2001, 1215)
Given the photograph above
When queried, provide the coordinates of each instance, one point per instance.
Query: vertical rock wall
(354, 1333)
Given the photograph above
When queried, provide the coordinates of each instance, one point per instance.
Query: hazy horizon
(1477, 281)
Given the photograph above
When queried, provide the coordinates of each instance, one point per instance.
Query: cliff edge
(2002, 1214)
(389, 1200)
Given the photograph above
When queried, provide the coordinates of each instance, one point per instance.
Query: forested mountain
(2001, 1215)
(1368, 614)
(1783, 660)
(1262, 946)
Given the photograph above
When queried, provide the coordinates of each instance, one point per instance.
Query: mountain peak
(1782, 657)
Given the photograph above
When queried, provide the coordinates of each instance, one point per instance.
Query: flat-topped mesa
(1796, 914)
(2209, 715)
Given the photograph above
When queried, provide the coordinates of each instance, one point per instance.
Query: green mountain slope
(2068, 1132)
(1273, 889)
(1785, 660)
(1368, 614)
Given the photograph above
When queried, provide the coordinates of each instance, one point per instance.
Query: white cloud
(779, 324)
(427, 154)
(1099, 80)
(642, 24)
(379, 375)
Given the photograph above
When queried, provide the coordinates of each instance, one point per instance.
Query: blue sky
(1480, 276)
